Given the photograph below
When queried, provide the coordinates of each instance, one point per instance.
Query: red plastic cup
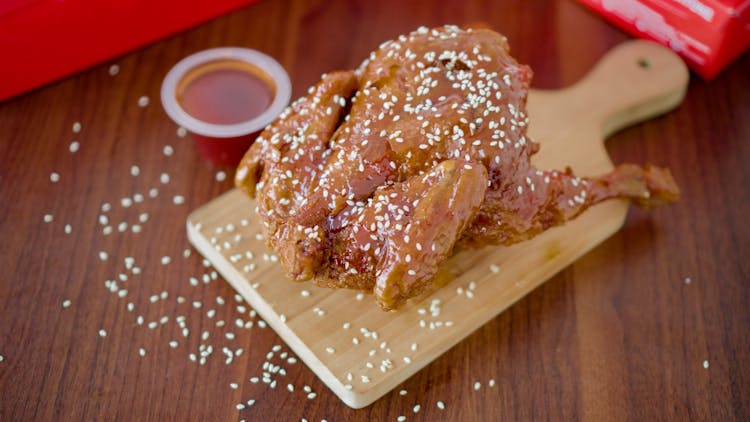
(225, 144)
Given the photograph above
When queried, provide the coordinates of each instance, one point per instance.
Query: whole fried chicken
(372, 179)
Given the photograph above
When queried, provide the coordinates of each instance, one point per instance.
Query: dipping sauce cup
(224, 97)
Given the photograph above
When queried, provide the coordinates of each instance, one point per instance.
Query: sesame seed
(142, 352)
(330, 350)
(168, 150)
(126, 202)
(164, 178)
(68, 229)
(165, 260)
(220, 176)
(705, 364)
(76, 127)
(173, 344)
(416, 408)
(494, 269)
(66, 303)
(48, 218)
(477, 386)
(492, 382)
(240, 406)
(688, 280)
(440, 405)
(74, 147)
(103, 255)
(143, 101)
(178, 199)
(54, 177)
(311, 396)
(114, 70)
(102, 333)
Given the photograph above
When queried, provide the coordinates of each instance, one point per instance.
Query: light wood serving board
(634, 81)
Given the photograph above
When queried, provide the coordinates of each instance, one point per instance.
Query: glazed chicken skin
(372, 179)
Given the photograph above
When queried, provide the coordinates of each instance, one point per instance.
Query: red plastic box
(44, 40)
(709, 34)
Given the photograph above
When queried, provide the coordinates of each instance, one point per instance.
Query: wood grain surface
(650, 325)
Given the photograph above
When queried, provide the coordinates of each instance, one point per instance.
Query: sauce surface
(225, 92)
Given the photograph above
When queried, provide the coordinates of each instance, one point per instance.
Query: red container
(45, 40)
(708, 34)
(225, 143)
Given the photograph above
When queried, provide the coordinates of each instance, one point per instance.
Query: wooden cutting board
(361, 352)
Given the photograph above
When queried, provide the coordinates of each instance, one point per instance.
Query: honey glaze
(225, 92)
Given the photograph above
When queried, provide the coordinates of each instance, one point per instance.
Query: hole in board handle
(644, 63)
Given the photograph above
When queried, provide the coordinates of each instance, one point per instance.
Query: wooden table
(651, 325)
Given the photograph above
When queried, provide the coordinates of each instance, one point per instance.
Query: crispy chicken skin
(372, 179)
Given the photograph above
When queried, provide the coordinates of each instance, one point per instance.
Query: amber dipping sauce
(225, 92)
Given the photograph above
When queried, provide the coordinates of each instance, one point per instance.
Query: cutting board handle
(634, 81)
